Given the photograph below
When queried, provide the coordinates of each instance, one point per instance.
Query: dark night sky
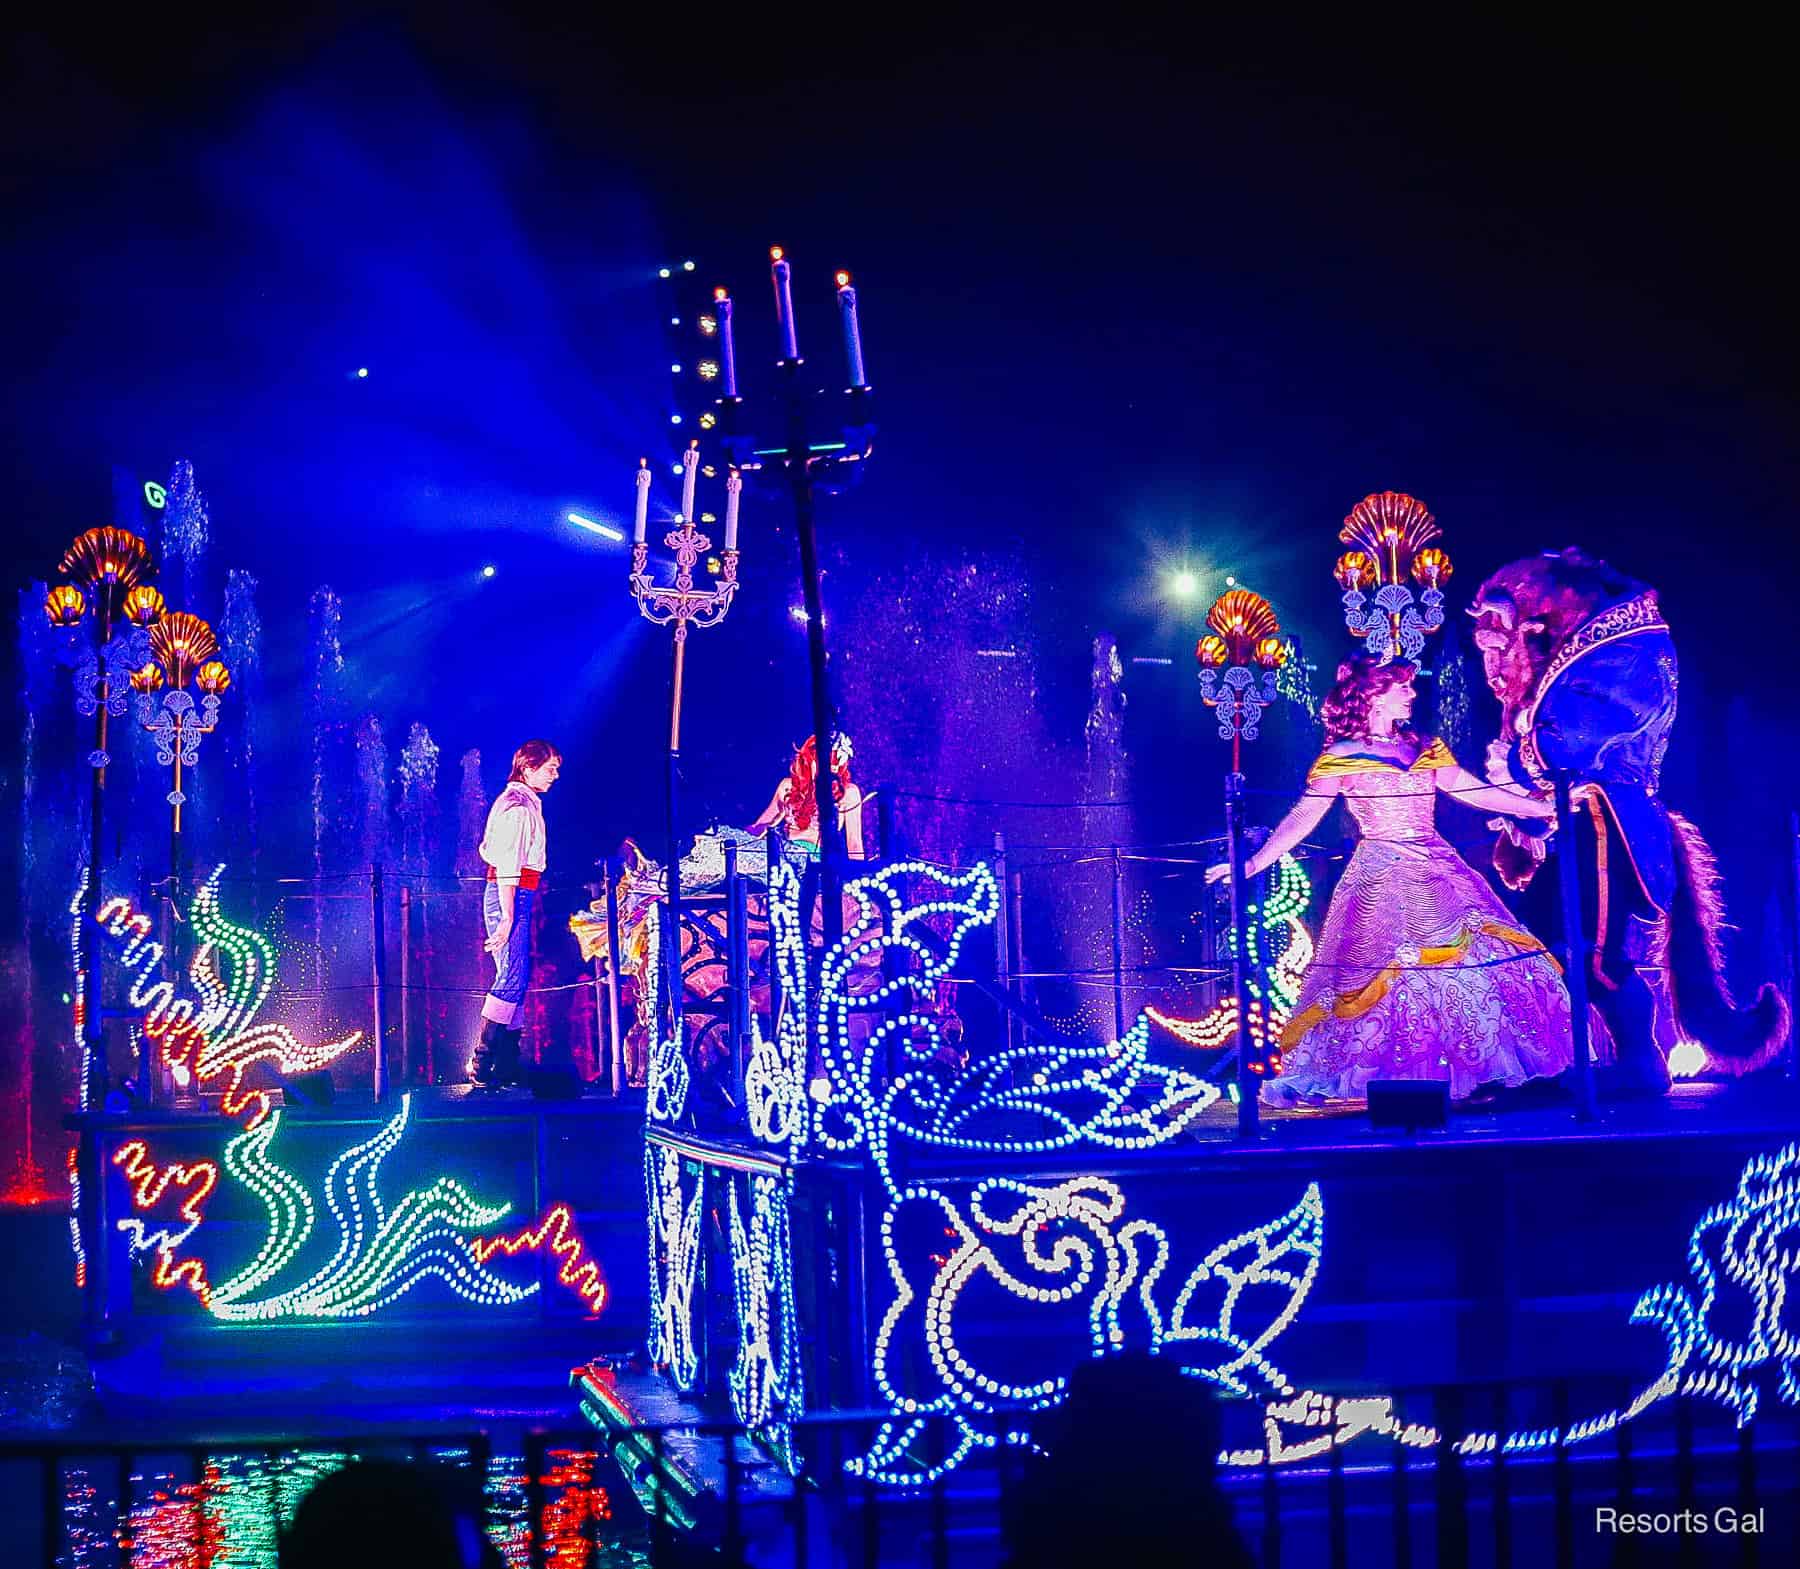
(1140, 293)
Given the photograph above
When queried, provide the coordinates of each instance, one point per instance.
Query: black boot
(486, 1066)
(506, 1054)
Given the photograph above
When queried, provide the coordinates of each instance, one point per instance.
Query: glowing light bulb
(1184, 585)
(674, 419)
(662, 272)
(776, 253)
(362, 372)
(687, 266)
(674, 370)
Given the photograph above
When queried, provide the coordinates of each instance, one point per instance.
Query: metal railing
(714, 1489)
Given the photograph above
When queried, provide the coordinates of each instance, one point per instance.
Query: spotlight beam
(605, 531)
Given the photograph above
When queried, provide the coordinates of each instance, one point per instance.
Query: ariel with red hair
(795, 804)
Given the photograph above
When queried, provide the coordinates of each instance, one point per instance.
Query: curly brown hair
(1360, 680)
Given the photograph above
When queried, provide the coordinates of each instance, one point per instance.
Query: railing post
(1118, 942)
(1003, 935)
(773, 858)
(1249, 1105)
(407, 1073)
(1015, 906)
(737, 962)
(378, 982)
(1575, 950)
(612, 964)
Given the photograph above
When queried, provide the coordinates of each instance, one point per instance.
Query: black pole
(1118, 943)
(824, 724)
(378, 982)
(1003, 937)
(93, 1025)
(737, 960)
(96, 1232)
(675, 985)
(1575, 950)
(1249, 1107)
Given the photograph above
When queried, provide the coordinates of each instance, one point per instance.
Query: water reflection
(221, 1510)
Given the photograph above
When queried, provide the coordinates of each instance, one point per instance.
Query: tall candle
(734, 483)
(852, 334)
(784, 303)
(690, 468)
(642, 520)
(727, 353)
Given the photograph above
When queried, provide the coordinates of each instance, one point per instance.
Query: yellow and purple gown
(1419, 971)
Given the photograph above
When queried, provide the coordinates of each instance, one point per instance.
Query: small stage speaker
(1409, 1103)
(553, 1083)
(308, 1089)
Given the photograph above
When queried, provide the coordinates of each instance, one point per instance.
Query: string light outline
(557, 1234)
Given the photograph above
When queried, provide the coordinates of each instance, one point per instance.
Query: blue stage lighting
(362, 372)
(687, 266)
(488, 571)
(1184, 584)
(602, 529)
(674, 370)
(674, 419)
(662, 272)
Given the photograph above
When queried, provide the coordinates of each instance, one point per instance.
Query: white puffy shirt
(514, 838)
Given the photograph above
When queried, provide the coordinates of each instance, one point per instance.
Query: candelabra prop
(681, 605)
(826, 438)
(1393, 534)
(1239, 659)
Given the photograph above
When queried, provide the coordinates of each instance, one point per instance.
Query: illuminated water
(227, 1517)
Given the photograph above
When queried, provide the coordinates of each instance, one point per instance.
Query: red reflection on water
(575, 1509)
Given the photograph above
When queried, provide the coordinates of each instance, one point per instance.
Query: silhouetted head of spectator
(1130, 1472)
(381, 1513)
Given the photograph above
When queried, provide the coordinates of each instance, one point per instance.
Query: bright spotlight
(674, 419)
(798, 614)
(488, 571)
(662, 272)
(605, 531)
(674, 370)
(1183, 584)
(1231, 582)
(362, 372)
(687, 266)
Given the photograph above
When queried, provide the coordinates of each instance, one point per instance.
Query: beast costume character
(1584, 667)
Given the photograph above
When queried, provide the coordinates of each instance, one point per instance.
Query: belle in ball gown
(1419, 971)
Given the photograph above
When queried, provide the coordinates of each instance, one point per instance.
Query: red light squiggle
(149, 1183)
(579, 1273)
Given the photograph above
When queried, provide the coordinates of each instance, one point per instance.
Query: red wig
(1360, 680)
(803, 800)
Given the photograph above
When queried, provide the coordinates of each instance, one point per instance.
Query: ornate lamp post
(108, 591)
(1392, 533)
(682, 606)
(182, 647)
(1238, 661)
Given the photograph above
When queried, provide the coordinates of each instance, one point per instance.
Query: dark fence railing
(711, 1492)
